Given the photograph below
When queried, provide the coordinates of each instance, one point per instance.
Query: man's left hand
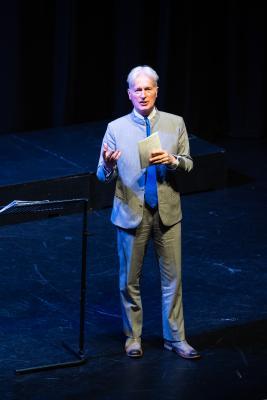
(162, 157)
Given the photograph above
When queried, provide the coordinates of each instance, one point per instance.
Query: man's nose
(143, 93)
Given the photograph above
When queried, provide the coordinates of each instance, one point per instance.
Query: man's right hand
(110, 157)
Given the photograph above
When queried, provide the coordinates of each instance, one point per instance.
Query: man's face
(143, 94)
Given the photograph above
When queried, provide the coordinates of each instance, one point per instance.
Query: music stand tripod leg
(80, 355)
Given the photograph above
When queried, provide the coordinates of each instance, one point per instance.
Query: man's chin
(145, 110)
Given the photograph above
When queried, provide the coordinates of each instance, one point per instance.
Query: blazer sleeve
(183, 157)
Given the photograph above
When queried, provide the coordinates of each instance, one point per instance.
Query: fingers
(105, 147)
(160, 157)
(155, 153)
(115, 155)
(110, 156)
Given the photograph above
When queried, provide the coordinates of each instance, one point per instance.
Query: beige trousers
(132, 244)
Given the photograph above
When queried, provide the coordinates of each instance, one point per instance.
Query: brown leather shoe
(133, 347)
(182, 348)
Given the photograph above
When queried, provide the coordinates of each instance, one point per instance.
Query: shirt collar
(150, 116)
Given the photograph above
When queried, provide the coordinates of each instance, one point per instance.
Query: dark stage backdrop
(66, 62)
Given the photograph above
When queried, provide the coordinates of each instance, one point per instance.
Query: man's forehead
(143, 80)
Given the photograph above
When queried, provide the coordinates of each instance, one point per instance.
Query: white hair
(145, 69)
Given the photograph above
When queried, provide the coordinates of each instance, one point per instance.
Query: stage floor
(224, 283)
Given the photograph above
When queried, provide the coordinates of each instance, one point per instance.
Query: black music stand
(48, 208)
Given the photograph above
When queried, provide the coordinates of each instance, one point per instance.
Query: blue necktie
(151, 194)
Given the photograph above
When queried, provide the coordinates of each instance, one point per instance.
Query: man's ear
(129, 93)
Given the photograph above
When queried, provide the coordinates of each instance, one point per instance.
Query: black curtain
(66, 62)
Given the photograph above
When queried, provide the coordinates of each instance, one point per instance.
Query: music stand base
(81, 359)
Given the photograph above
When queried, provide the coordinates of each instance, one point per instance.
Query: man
(147, 205)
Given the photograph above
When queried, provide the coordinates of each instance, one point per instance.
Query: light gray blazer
(123, 134)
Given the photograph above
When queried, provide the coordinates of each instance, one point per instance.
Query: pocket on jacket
(119, 191)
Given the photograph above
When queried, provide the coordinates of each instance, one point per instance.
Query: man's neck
(150, 116)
